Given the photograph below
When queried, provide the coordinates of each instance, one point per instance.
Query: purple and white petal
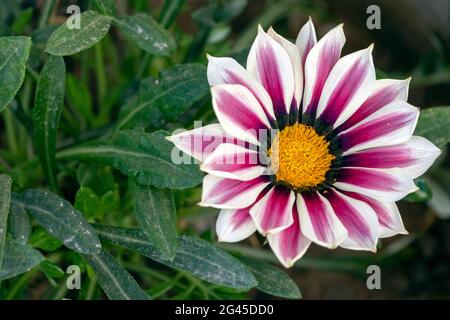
(389, 218)
(234, 225)
(273, 212)
(392, 124)
(318, 221)
(233, 162)
(239, 112)
(229, 193)
(269, 62)
(290, 244)
(388, 185)
(414, 157)
(321, 59)
(306, 40)
(201, 142)
(294, 55)
(384, 92)
(224, 70)
(358, 218)
(347, 87)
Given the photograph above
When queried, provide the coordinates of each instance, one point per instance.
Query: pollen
(300, 157)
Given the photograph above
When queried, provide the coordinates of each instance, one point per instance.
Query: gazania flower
(342, 153)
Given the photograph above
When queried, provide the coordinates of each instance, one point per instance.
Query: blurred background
(413, 41)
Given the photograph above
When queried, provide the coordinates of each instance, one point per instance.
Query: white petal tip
(169, 138)
(370, 48)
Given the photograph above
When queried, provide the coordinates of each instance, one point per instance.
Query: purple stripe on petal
(236, 111)
(370, 179)
(272, 215)
(375, 101)
(229, 188)
(289, 238)
(327, 59)
(270, 75)
(399, 156)
(317, 214)
(353, 221)
(344, 91)
(375, 128)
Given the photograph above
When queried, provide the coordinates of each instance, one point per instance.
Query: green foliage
(144, 156)
(117, 283)
(194, 255)
(5, 201)
(156, 215)
(46, 114)
(68, 40)
(18, 258)
(433, 125)
(14, 53)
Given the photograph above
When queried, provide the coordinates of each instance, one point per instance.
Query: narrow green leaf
(18, 258)
(156, 215)
(46, 114)
(19, 224)
(87, 202)
(41, 239)
(117, 283)
(60, 220)
(68, 39)
(433, 124)
(107, 7)
(5, 203)
(145, 156)
(51, 270)
(165, 99)
(14, 52)
(169, 12)
(272, 280)
(148, 34)
(194, 255)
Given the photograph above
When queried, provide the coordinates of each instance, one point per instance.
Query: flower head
(339, 154)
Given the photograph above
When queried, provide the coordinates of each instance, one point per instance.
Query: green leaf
(148, 34)
(107, 7)
(5, 203)
(272, 280)
(194, 255)
(19, 224)
(165, 99)
(51, 270)
(60, 220)
(145, 156)
(169, 11)
(79, 97)
(46, 114)
(22, 21)
(433, 124)
(117, 283)
(14, 52)
(423, 194)
(156, 215)
(18, 258)
(68, 40)
(42, 240)
(87, 202)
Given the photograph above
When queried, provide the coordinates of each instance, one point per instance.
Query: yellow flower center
(300, 157)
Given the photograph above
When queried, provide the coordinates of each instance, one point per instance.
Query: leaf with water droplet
(60, 220)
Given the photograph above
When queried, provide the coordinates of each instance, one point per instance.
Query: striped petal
(269, 62)
(228, 71)
(384, 92)
(234, 225)
(229, 193)
(387, 185)
(273, 212)
(233, 162)
(321, 59)
(201, 142)
(358, 218)
(392, 124)
(414, 157)
(290, 244)
(239, 112)
(389, 219)
(294, 56)
(347, 87)
(318, 221)
(306, 40)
